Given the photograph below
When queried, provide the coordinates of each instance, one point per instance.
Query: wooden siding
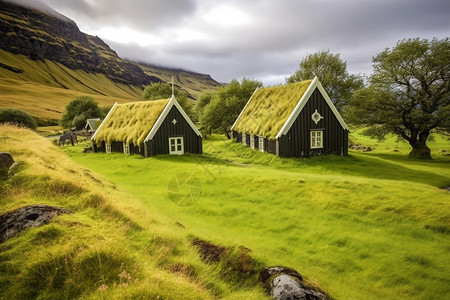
(118, 147)
(296, 143)
(237, 136)
(271, 146)
(159, 144)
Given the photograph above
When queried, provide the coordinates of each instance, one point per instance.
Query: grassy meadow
(373, 225)
(111, 247)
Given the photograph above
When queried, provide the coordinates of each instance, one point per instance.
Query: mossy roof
(269, 108)
(130, 122)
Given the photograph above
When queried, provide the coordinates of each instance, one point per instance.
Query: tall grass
(367, 226)
(111, 247)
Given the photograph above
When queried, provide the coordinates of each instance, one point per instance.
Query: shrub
(17, 116)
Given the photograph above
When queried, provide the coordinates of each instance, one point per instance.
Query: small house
(293, 120)
(147, 128)
(92, 124)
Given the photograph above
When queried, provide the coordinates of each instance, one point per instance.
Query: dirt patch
(208, 251)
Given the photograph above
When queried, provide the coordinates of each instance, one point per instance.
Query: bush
(78, 111)
(17, 116)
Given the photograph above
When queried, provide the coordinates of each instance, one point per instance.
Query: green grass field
(371, 225)
(111, 247)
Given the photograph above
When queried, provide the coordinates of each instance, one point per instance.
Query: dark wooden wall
(237, 136)
(296, 143)
(160, 142)
(118, 147)
(272, 146)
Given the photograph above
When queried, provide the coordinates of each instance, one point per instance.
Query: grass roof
(269, 108)
(131, 122)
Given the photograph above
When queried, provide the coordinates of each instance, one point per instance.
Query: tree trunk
(420, 150)
(419, 146)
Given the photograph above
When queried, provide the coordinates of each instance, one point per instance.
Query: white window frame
(177, 147)
(261, 143)
(126, 149)
(316, 139)
(252, 141)
(244, 139)
(108, 148)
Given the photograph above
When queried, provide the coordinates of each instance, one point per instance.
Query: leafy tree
(332, 73)
(17, 116)
(79, 110)
(204, 100)
(409, 93)
(226, 103)
(161, 90)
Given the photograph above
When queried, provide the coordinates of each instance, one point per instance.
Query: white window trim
(316, 139)
(108, 148)
(261, 143)
(126, 149)
(252, 141)
(176, 151)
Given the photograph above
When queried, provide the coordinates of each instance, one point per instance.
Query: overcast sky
(263, 39)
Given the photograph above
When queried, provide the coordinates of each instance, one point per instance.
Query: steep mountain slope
(45, 61)
(41, 36)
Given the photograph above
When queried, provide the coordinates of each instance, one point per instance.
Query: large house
(148, 128)
(293, 120)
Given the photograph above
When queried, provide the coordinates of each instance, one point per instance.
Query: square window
(316, 139)
(176, 145)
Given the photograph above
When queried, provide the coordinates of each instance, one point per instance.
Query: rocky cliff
(41, 36)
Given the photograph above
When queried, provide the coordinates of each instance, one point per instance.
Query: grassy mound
(111, 247)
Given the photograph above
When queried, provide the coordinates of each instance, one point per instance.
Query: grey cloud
(276, 36)
(137, 14)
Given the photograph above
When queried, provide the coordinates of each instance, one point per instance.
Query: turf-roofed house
(148, 128)
(293, 120)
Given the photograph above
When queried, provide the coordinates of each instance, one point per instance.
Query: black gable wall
(160, 142)
(296, 143)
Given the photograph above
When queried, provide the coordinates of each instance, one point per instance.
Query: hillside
(195, 84)
(41, 36)
(45, 60)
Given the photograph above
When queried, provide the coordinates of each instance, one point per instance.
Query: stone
(267, 273)
(6, 160)
(367, 149)
(284, 283)
(14, 222)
